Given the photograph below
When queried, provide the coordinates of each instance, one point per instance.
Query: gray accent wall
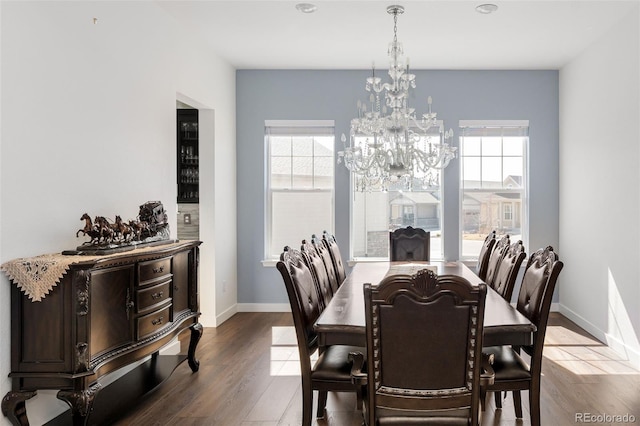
(332, 95)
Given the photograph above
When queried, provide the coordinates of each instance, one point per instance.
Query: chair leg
(322, 403)
(534, 405)
(517, 403)
(359, 398)
(497, 396)
(307, 403)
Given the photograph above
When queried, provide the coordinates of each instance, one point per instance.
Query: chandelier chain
(395, 26)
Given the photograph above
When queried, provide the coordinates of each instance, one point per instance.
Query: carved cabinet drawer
(154, 270)
(150, 297)
(150, 323)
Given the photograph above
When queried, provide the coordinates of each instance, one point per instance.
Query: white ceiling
(272, 34)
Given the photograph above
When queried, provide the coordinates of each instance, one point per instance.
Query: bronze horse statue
(124, 230)
(104, 229)
(89, 229)
(151, 225)
(137, 227)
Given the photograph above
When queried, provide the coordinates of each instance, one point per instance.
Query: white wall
(88, 125)
(599, 181)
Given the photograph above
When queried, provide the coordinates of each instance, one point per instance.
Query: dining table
(343, 319)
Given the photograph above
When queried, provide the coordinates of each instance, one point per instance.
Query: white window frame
(490, 126)
(293, 128)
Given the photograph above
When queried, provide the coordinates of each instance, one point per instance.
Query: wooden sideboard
(106, 313)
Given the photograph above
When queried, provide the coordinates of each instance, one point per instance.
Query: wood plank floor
(249, 376)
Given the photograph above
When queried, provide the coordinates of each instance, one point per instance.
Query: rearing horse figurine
(88, 225)
(88, 229)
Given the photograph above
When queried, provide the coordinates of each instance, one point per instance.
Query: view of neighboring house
(497, 205)
(417, 209)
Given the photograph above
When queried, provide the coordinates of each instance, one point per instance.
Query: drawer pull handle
(157, 295)
(158, 270)
(157, 321)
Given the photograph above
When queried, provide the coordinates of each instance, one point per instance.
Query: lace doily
(36, 276)
(409, 268)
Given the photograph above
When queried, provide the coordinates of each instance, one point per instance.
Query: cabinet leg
(81, 402)
(196, 334)
(14, 407)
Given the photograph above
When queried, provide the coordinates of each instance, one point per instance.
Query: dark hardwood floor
(249, 376)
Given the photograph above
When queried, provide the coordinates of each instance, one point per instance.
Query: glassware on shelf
(189, 130)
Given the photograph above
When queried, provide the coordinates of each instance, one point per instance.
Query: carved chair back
(499, 249)
(336, 257)
(485, 252)
(325, 255)
(409, 244)
(424, 343)
(505, 276)
(536, 292)
(318, 270)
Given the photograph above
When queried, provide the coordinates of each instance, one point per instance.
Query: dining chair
(409, 244)
(499, 249)
(512, 372)
(485, 252)
(334, 250)
(318, 271)
(505, 277)
(424, 350)
(333, 369)
(325, 255)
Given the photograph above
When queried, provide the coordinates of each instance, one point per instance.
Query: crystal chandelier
(389, 147)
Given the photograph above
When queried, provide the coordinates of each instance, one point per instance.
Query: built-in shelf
(188, 161)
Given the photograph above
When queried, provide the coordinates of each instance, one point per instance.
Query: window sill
(269, 263)
(353, 262)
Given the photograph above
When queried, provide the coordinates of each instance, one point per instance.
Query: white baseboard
(630, 354)
(584, 323)
(231, 311)
(264, 307)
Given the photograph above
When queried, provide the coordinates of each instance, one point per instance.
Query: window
(300, 169)
(375, 213)
(493, 181)
(506, 210)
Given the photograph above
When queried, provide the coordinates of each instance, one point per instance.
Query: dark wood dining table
(343, 320)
